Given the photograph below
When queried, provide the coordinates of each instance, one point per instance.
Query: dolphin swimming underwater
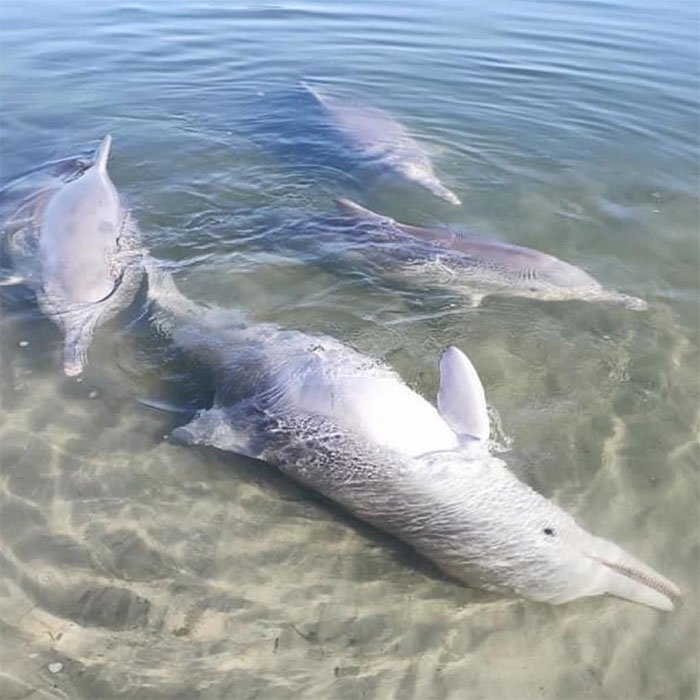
(347, 426)
(483, 267)
(383, 141)
(76, 245)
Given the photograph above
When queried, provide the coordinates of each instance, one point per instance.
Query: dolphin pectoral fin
(7, 279)
(225, 429)
(461, 400)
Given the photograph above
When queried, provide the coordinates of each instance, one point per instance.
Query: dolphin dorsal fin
(461, 400)
(347, 206)
(313, 91)
(102, 154)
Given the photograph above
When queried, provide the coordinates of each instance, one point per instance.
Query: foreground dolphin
(383, 141)
(73, 241)
(348, 427)
(482, 266)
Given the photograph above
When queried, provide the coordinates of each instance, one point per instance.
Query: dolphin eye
(548, 531)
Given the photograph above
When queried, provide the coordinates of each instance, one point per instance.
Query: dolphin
(76, 245)
(348, 427)
(482, 267)
(382, 141)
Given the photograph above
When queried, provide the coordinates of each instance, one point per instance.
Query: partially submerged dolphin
(73, 241)
(348, 427)
(482, 266)
(380, 139)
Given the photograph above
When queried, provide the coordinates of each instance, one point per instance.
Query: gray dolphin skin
(72, 240)
(347, 426)
(380, 139)
(482, 267)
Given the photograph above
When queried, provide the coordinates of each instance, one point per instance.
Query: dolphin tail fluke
(74, 359)
(102, 154)
(76, 343)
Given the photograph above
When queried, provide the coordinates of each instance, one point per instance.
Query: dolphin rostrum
(74, 242)
(384, 142)
(348, 427)
(482, 267)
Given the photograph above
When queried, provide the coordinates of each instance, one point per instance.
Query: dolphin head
(492, 531)
(546, 277)
(567, 562)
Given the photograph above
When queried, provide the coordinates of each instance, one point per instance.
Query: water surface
(150, 570)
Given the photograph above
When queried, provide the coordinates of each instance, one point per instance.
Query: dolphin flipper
(461, 400)
(232, 429)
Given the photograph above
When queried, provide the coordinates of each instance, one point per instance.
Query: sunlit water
(134, 567)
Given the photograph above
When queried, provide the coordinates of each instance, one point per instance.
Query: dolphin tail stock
(102, 154)
(170, 303)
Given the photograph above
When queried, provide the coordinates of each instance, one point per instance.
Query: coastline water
(132, 567)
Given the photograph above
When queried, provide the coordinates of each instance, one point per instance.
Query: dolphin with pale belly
(75, 243)
(347, 426)
(382, 141)
(482, 267)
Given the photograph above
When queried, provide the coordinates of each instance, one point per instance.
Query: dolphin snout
(627, 577)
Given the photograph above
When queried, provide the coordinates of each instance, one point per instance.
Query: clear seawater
(147, 569)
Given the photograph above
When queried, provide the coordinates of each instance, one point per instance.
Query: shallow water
(150, 570)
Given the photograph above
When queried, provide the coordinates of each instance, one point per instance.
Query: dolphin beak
(626, 577)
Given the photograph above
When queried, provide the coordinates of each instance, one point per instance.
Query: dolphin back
(89, 255)
(82, 225)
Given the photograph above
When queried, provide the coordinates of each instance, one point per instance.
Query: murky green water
(150, 570)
